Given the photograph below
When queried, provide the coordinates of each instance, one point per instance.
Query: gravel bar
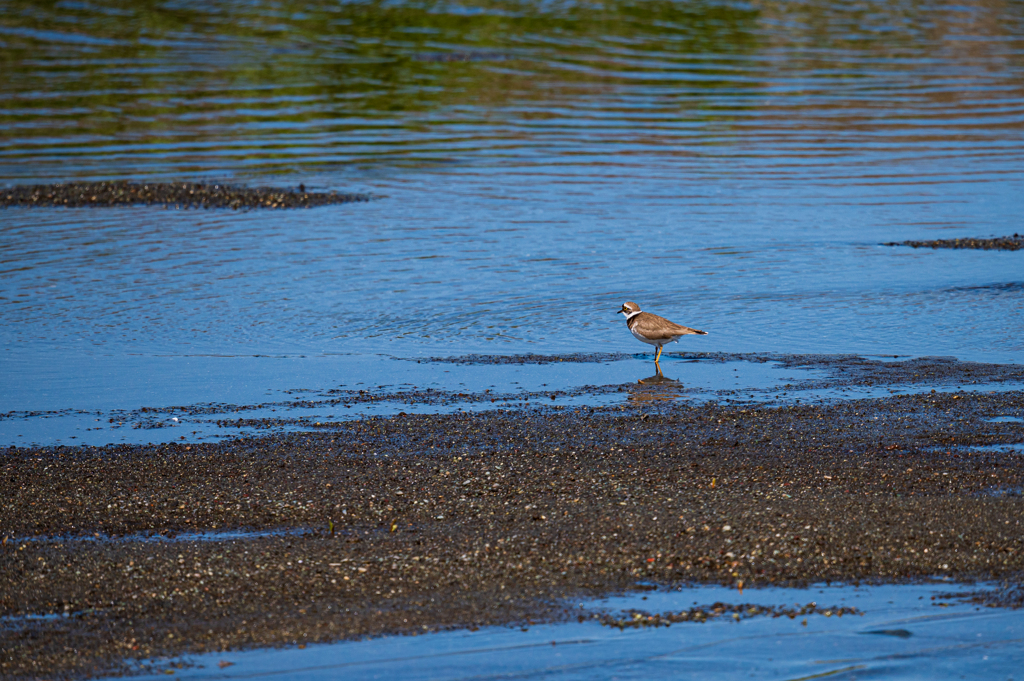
(170, 194)
(1001, 243)
(419, 523)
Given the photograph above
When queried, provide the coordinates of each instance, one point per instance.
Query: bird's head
(629, 308)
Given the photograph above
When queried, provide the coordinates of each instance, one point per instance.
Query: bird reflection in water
(656, 388)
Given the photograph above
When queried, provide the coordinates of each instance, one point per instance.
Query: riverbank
(415, 523)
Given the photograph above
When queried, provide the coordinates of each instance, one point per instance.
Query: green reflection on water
(166, 73)
(261, 85)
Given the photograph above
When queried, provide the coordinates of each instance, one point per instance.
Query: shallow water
(905, 632)
(150, 402)
(315, 394)
(731, 166)
(1007, 448)
(177, 537)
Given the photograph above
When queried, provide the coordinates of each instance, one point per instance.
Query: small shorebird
(654, 330)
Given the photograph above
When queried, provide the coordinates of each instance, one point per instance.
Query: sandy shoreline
(465, 520)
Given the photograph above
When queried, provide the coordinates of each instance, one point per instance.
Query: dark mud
(838, 370)
(1008, 595)
(639, 619)
(1001, 243)
(577, 357)
(170, 194)
(422, 522)
(853, 370)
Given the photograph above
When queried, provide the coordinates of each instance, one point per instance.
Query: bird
(654, 330)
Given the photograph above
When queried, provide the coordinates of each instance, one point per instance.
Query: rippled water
(732, 166)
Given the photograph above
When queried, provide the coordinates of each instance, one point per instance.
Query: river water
(733, 166)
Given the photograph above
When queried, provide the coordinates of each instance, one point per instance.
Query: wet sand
(416, 523)
(170, 194)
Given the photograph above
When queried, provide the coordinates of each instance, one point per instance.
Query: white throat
(632, 314)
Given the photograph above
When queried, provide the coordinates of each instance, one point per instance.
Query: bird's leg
(657, 355)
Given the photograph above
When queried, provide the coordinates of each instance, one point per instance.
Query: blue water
(730, 166)
(905, 632)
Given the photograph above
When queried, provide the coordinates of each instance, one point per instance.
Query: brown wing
(658, 328)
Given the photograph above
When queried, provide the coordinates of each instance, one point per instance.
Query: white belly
(658, 343)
